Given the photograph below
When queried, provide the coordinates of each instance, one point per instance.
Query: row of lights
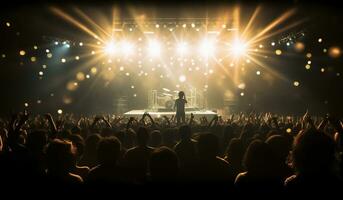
(206, 48)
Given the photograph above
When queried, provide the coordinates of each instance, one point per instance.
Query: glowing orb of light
(258, 73)
(288, 130)
(334, 52)
(22, 52)
(299, 46)
(238, 48)
(182, 78)
(59, 111)
(80, 76)
(296, 83)
(241, 86)
(242, 94)
(71, 86)
(94, 70)
(278, 52)
(67, 100)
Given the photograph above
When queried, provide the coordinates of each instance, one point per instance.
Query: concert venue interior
(244, 93)
(99, 58)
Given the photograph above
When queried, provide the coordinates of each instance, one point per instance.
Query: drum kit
(164, 99)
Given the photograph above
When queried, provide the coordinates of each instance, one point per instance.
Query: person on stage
(180, 108)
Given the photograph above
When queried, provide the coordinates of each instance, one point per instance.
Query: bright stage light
(154, 48)
(110, 48)
(182, 48)
(207, 47)
(238, 48)
(182, 78)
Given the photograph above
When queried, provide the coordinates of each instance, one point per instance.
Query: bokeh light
(59, 111)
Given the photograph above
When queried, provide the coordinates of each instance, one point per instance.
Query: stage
(156, 114)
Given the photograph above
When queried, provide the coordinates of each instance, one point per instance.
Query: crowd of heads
(244, 153)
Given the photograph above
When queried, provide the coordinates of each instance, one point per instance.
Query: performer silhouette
(180, 108)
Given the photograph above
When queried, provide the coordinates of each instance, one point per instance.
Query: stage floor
(197, 114)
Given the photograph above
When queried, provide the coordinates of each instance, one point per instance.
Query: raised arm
(52, 124)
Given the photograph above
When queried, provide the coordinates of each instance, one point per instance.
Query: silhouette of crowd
(244, 154)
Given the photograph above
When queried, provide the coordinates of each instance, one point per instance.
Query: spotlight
(182, 78)
(154, 48)
(238, 48)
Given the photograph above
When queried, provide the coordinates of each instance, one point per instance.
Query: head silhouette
(163, 164)
(91, 143)
(60, 156)
(142, 136)
(313, 152)
(235, 151)
(36, 141)
(208, 145)
(280, 147)
(257, 158)
(181, 94)
(77, 140)
(108, 150)
(185, 132)
(156, 138)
